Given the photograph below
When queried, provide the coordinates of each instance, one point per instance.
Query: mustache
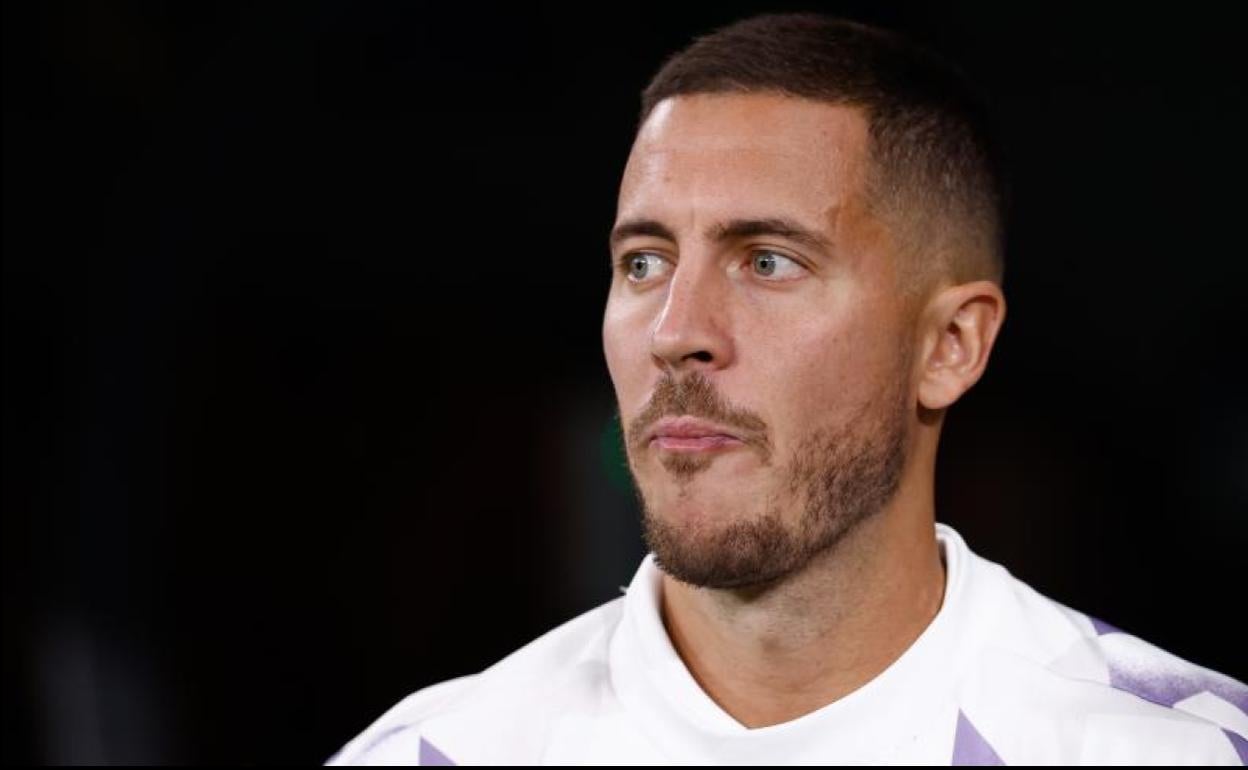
(694, 395)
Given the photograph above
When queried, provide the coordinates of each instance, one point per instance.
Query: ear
(960, 325)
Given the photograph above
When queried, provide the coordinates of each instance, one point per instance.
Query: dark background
(304, 398)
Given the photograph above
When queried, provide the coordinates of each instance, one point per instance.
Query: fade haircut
(934, 177)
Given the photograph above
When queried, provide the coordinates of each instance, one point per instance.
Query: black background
(304, 398)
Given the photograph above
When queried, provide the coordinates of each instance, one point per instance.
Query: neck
(773, 655)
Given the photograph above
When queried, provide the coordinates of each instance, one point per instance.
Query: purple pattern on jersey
(970, 748)
(1166, 680)
(1168, 688)
(431, 756)
(1102, 627)
(1232, 692)
(1161, 687)
(1241, 745)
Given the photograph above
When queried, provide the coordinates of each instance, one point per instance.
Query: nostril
(702, 355)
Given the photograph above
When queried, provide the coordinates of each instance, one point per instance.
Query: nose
(692, 330)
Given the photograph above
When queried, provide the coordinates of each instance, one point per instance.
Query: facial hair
(838, 476)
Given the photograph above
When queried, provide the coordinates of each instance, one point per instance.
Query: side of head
(807, 255)
(933, 174)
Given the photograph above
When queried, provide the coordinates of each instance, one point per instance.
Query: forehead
(745, 154)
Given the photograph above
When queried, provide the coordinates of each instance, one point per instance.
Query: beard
(837, 476)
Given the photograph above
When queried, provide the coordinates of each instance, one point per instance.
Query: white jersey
(1002, 675)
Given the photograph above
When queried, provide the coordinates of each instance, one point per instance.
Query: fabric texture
(1002, 675)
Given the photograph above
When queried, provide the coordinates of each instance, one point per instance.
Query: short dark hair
(935, 170)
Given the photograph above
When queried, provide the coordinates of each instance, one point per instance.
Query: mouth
(696, 443)
(689, 434)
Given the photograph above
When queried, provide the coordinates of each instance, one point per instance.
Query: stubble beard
(838, 477)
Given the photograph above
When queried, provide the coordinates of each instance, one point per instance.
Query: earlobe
(963, 323)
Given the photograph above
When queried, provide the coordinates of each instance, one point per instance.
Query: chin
(692, 547)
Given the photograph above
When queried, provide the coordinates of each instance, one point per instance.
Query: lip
(696, 443)
(689, 434)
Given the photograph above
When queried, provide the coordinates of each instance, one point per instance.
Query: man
(808, 264)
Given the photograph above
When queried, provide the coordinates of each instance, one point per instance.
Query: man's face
(754, 290)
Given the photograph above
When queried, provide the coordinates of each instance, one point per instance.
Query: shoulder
(560, 670)
(378, 741)
(1063, 686)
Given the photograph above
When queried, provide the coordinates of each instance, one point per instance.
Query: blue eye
(639, 266)
(767, 263)
(638, 263)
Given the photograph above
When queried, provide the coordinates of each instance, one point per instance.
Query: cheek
(804, 346)
(818, 373)
(814, 384)
(624, 346)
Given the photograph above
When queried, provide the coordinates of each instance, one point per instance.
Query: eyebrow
(733, 229)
